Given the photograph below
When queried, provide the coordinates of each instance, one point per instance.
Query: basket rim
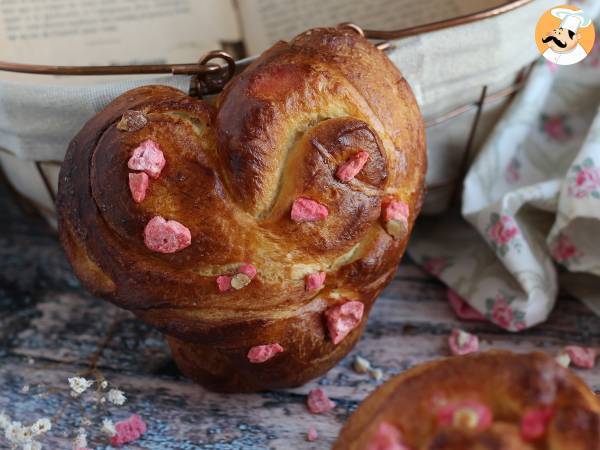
(448, 23)
(204, 67)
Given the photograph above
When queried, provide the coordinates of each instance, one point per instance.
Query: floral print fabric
(530, 215)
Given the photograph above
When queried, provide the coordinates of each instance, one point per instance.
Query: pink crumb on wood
(318, 402)
(353, 165)
(463, 343)
(535, 422)
(128, 430)
(166, 236)
(261, 353)
(138, 184)
(583, 357)
(147, 157)
(307, 210)
(312, 435)
(314, 281)
(342, 319)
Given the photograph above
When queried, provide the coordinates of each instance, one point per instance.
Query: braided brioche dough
(268, 177)
(496, 400)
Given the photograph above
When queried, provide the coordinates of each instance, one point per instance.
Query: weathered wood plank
(67, 326)
(186, 416)
(180, 415)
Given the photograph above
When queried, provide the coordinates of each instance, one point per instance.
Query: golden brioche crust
(507, 383)
(233, 168)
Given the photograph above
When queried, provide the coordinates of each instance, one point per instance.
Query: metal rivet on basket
(213, 81)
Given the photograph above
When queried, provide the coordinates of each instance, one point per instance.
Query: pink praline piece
(342, 319)
(458, 348)
(307, 210)
(224, 283)
(128, 430)
(583, 357)
(387, 437)
(261, 353)
(353, 165)
(395, 210)
(138, 184)
(314, 281)
(535, 422)
(312, 435)
(148, 157)
(248, 269)
(166, 236)
(318, 402)
(446, 414)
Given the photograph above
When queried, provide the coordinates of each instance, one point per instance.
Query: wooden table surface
(51, 329)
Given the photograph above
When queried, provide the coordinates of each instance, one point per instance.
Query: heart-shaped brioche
(255, 230)
(496, 400)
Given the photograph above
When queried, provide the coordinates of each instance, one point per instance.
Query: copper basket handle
(209, 78)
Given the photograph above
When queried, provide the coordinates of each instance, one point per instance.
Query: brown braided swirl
(234, 166)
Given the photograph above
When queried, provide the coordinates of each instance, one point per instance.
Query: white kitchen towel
(529, 222)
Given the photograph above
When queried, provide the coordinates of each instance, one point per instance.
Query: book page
(266, 21)
(111, 32)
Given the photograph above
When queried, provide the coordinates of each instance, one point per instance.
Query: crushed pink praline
(314, 281)
(224, 283)
(446, 414)
(306, 210)
(318, 402)
(248, 269)
(457, 348)
(166, 236)
(312, 435)
(462, 309)
(535, 422)
(353, 165)
(387, 437)
(583, 357)
(395, 210)
(138, 184)
(342, 319)
(147, 157)
(261, 353)
(128, 430)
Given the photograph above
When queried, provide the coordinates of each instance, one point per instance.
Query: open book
(101, 32)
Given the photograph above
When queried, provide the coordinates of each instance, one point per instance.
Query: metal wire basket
(462, 89)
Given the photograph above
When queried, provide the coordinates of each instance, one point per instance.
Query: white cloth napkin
(529, 223)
